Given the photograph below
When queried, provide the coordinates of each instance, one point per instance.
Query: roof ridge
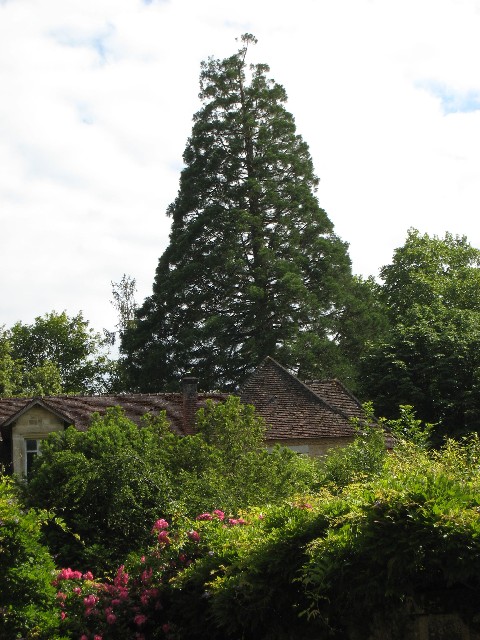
(341, 384)
(305, 387)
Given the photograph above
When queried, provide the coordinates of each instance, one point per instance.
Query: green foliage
(408, 429)
(412, 534)
(363, 320)
(356, 462)
(123, 294)
(430, 356)
(56, 354)
(341, 565)
(27, 598)
(109, 483)
(253, 267)
(428, 270)
(243, 584)
(233, 428)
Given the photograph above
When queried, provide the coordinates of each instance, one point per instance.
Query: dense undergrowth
(373, 536)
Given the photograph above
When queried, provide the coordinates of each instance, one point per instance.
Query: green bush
(344, 562)
(109, 483)
(362, 459)
(27, 597)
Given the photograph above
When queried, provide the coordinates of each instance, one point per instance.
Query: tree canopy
(55, 354)
(253, 267)
(430, 355)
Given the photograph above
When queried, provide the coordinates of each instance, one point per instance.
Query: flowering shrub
(134, 604)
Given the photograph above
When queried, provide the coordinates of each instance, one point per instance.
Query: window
(32, 450)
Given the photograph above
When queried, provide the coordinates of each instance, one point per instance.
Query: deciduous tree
(55, 354)
(430, 356)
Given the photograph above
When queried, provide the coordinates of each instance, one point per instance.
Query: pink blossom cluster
(68, 574)
(235, 521)
(216, 513)
(220, 515)
(132, 602)
(102, 606)
(194, 535)
(159, 525)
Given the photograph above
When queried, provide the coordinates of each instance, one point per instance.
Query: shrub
(107, 484)
(362, 459)
(27, 597)
(111, 481)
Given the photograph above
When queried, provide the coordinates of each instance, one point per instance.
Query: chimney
(189, 389)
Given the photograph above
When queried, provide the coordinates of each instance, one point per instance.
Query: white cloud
(97, 98)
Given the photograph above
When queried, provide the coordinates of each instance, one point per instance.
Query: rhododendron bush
(139, 603)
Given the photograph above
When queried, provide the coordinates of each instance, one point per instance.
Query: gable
(291, 409)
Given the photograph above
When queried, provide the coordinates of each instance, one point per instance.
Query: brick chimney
(189, 391)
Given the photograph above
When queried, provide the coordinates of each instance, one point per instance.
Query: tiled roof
(78, 410)
(338, 396)
(292, 409)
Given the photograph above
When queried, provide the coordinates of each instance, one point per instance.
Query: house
(307, 417)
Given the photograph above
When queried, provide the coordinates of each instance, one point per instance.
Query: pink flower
(142, 559)
(163, 537)
(63, 615)
(77, 591)
(122, 593)
(90, 601)
(121, 579)
(69, 574)
(146, 575)
(61, 596)
(88, 576)
(205, 516)
(219, 514)
(194, 535)
(159, 525)
(97, 637)
(140, 619)
(111, 618)
(261, 516)
(305, 505)
(84, 637)
(166, 628)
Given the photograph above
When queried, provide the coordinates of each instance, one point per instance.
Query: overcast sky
(96, 104)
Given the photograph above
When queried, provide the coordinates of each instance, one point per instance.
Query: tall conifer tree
(253, 267)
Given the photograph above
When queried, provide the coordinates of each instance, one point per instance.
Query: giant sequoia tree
(253, 267)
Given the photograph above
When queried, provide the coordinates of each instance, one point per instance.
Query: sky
(96, 105)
